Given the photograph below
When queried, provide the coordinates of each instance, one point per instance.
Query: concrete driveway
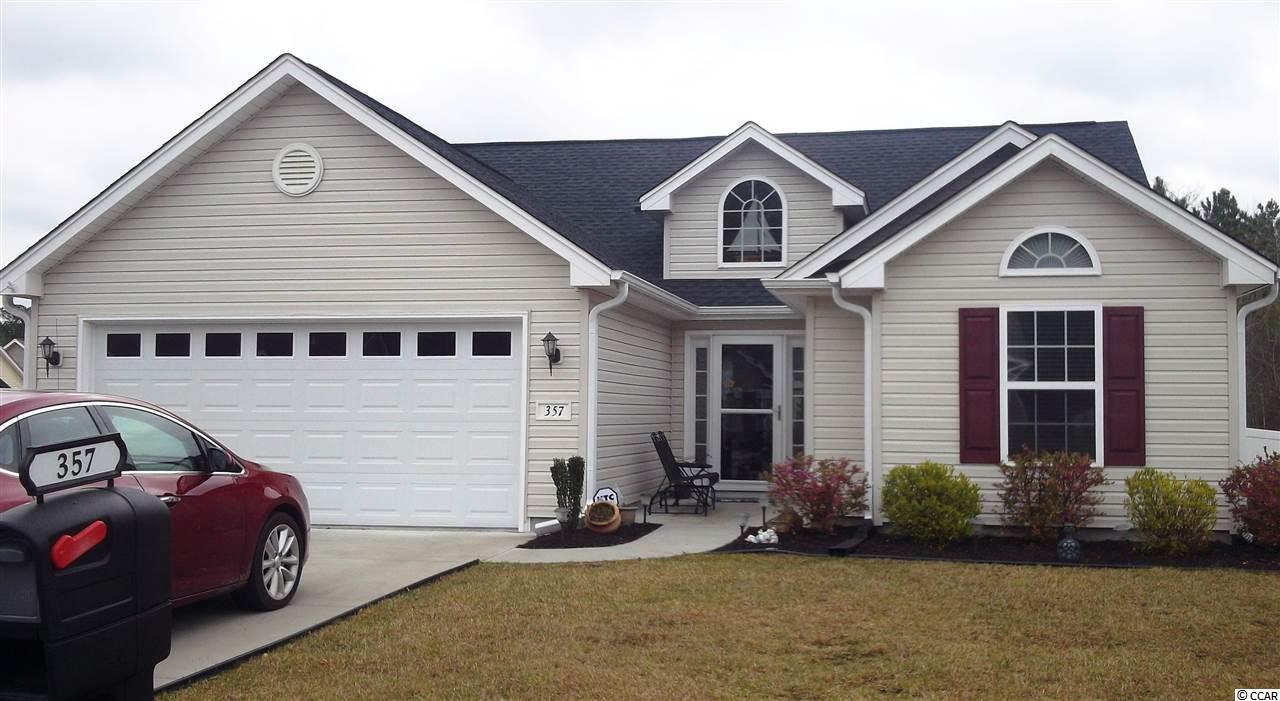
(346, 570)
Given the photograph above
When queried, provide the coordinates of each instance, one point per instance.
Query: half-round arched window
(752, 224)
(1050, 251)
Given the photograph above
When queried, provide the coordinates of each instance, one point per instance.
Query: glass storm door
(747, 405)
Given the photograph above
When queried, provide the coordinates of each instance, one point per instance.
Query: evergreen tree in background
(1260, 230)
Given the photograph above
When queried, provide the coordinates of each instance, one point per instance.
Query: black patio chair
(682, 480)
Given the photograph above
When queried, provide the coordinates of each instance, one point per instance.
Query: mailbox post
(85, 611)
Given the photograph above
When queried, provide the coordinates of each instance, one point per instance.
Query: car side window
(155, 443)
(9, 448)
(60, 426)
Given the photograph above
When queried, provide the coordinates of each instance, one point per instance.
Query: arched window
(751, 224)
(1050, 251)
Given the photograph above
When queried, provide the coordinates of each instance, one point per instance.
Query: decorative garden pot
(1068, 546)
(603, 517)
(628, 512)
(562, 515)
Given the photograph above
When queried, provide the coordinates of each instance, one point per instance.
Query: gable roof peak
(843, 193)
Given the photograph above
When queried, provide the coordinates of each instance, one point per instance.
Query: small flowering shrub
(818, 491)
(1044, 491)
(1173, 515)
(930, 503)
(1253, 491)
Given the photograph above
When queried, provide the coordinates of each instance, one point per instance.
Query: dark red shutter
(980, 386)
(1123, 396)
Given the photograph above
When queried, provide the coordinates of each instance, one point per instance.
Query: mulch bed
(587, 538)
(1010, 550)
(803, 541)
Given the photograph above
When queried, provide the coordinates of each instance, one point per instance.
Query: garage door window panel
(155, 444)
(124, 345)
(437, 344)
(222, 345)
(275, 344)
(327, 344)
(173, 345)
(491, 343)
(381, 344)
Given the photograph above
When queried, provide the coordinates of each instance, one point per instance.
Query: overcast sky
(87, 90)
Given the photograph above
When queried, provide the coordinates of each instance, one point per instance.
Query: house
(339, 293)
(12, 356)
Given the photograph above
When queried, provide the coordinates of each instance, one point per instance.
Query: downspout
(29, 337)
(867, 367)
(1242, 385)
(593, 374)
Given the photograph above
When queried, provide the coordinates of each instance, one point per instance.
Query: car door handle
(170, 499)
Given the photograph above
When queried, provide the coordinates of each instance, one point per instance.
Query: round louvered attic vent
(297, 169)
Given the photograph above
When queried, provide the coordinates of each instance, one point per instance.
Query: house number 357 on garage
(554, 411)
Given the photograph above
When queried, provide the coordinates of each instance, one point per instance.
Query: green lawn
(764, 626)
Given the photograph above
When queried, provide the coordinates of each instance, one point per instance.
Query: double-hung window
(1051, 377)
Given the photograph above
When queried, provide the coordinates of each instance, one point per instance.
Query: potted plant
(629, 513)
(567, 475)
(603, 517)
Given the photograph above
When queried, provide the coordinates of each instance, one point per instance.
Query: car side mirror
(219, 461)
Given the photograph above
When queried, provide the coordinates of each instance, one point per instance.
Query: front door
(748, 405)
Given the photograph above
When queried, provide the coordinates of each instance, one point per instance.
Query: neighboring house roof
(16, 351)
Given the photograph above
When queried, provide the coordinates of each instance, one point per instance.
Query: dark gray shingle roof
(589, 190)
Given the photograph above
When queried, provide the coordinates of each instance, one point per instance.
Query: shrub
(1044, 491)
(818, 491)
(929, 502)
(1174, 515)
(1253, 491)
(568, 475)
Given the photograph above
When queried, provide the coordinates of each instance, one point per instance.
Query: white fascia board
(1241, 266)
(824, 255)
(843, 193)
(584, 269)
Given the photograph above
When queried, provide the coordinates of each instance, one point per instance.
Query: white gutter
(593, 374)
(867, 409)
(1242, 384)
(29, 335)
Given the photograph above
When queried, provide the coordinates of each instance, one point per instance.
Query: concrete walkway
(347, 569)
(680, 534)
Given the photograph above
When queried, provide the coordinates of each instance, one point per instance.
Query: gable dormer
(748, 207)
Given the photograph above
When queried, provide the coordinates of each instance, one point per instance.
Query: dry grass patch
(767, 627)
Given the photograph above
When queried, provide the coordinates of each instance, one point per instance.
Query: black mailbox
(84, 580)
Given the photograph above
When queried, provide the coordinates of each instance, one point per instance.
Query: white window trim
(1006, 271)
(786, 210)
(1095, 385)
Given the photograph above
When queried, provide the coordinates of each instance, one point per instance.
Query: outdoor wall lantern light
(553, 352)
(52, 358)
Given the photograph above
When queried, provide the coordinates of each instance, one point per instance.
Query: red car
(236, 526)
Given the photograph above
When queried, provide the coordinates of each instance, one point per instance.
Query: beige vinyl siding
(1188, 323)
(381, 235)
(692, 227)
(837, 386)
(635, 386)
(679, 369)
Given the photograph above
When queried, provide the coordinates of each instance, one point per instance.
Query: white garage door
(413, 424)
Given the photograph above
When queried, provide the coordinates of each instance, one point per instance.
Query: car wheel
(276, 570)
